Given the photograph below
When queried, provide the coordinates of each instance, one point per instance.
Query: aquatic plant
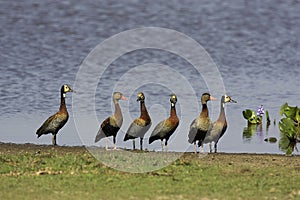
(255, 118)
(289, 127)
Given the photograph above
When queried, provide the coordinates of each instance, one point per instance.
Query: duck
(55, 122)
(200, 125)
(111, 125)
(218, 128)
(164, 129)
(141, 125)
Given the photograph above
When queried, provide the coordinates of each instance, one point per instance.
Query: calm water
(255, 45)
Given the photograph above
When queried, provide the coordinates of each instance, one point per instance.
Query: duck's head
(173, 99)
(66, 88)
(227, 99)
(206, 97)
(118, 96)
(141, 97)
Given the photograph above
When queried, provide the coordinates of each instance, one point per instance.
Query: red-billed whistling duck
(141, 125)
(54, 123)
(218, 128)
(166, 128)
(200, 125)
(112, 124)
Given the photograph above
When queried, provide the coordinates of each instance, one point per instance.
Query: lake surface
(254, 44)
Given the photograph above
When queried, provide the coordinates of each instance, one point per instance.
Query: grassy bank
(44, 172)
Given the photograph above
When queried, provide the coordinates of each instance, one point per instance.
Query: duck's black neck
(62, 102)
(204, 111)
(144, 112)
(173, 110)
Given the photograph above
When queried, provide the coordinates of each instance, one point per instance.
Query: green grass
(43, 172)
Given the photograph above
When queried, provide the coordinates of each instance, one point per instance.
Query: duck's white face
(67, 88)
(228, 99)
(141, 96)
(173, 99)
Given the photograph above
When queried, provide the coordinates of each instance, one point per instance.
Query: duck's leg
(54, 139)
(162, 145)
(114, 140)
(133, 144)
(195, 148)
(106, 143)
(141, 144)
(166, 145)
(210, 147)
(202, 148)
(216, 147)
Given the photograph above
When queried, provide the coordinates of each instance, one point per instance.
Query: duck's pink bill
(212, 98)
(124, 98)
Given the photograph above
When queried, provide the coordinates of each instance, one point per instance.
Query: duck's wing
(159, 131)
(214, 132)
(100, 133)
(138, 128)
(193, 131)
(52, 124)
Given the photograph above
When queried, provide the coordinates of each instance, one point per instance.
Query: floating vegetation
(255, 121)
(289, 127)
(256, 117)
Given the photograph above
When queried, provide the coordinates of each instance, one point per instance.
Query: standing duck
(166, 128)
(54, 123)
(200, 125)
(111, 125)
(141, 125)
(218, 128)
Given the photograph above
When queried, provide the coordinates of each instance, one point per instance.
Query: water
(255, 45)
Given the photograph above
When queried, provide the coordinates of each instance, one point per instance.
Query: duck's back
(53, 124)
(138, 128)
(110, 127)
(198, 129)
(164, 129)
(216, 130)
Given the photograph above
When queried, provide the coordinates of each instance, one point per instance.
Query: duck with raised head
(55, 122)
(111, 125)
(141, 125)
(218, 128)
(200, 125)
(166, 128)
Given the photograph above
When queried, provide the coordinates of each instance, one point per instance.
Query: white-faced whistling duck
(111, 125)
(141, 125)
(218, 128)
(200, 125)
(54, 123)
(166, 128)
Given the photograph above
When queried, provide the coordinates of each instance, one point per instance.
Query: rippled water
(255, 45)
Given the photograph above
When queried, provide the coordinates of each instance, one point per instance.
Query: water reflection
(259, 133)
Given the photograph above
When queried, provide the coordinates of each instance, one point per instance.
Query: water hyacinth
(260, 111)
(289, 128)
(255, 118)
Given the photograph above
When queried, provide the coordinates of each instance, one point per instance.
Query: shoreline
(31, 146)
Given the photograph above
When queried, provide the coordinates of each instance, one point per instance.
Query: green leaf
(288, 111)
(297, 115)
(252, 120)
(267, 116)
(248, 113)
(282, 108)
